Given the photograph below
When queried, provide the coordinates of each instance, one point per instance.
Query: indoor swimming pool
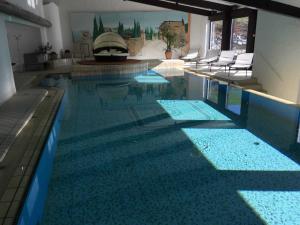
(154, 150)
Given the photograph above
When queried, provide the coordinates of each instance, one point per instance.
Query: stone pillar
(54, 33)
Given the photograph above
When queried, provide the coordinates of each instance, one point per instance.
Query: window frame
(227, 21)
(231, 34)
(210, 32)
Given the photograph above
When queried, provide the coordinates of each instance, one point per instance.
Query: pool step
(246, 82)
(256, 87)
(251, 84)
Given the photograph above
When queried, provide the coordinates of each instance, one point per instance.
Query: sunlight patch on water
(238, 149)
(191, 110)
(151, 79)
(274, 207)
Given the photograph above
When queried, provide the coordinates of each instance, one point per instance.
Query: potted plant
(43, 51)
(170, 38)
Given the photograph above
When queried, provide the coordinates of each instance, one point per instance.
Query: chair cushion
(244, 59)
(241, 66)
(209, 60)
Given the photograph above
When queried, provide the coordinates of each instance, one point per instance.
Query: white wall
(277, 55)
(54, 33)
(199, 33)
(7, 84)
(29, 40)
(34, 6)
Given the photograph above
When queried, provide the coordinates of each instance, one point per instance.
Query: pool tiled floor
(110, 170)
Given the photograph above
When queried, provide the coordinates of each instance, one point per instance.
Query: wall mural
(142, 31)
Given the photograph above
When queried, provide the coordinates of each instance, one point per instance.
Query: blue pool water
(151, 79)
(155, 151)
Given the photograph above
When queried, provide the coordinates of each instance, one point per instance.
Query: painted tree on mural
(96, 29)
(121, 30)
(136, 33)
(101, 27)
(149, 33)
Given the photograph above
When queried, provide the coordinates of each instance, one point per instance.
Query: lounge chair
(243, 61)
(226, 58)
(212, 55)
(193, 54)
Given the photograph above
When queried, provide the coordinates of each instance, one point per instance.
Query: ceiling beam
(174, 6)
(234, 13)
(13, 10)
(271, 6)
(203, 4)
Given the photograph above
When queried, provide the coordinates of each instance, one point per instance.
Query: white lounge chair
(243, 61)
(226, 58)
(212, 55)
(193, 54)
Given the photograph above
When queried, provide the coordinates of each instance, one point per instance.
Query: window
(216, 28)
(234, 99)
(239, 33)
(213, 91)
(32, 3)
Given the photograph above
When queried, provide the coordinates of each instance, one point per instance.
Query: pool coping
(30, 143)
(231, 83)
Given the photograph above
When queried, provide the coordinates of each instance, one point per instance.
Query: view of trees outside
(216, 34)
(239, 34)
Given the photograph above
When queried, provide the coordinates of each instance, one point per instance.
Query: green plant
(169, 36)
(101, 27)
(44, 49)
(136, 33)
(149, 33)
(121, 29)
(96, 29)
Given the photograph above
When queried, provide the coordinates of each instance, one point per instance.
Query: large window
(32, 3)
(216, 28)
(234, 99)
(239, 34)
(213, 91)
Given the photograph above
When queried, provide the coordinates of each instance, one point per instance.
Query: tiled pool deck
(23, 155)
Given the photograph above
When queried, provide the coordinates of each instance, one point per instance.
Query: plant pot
(168, 54)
